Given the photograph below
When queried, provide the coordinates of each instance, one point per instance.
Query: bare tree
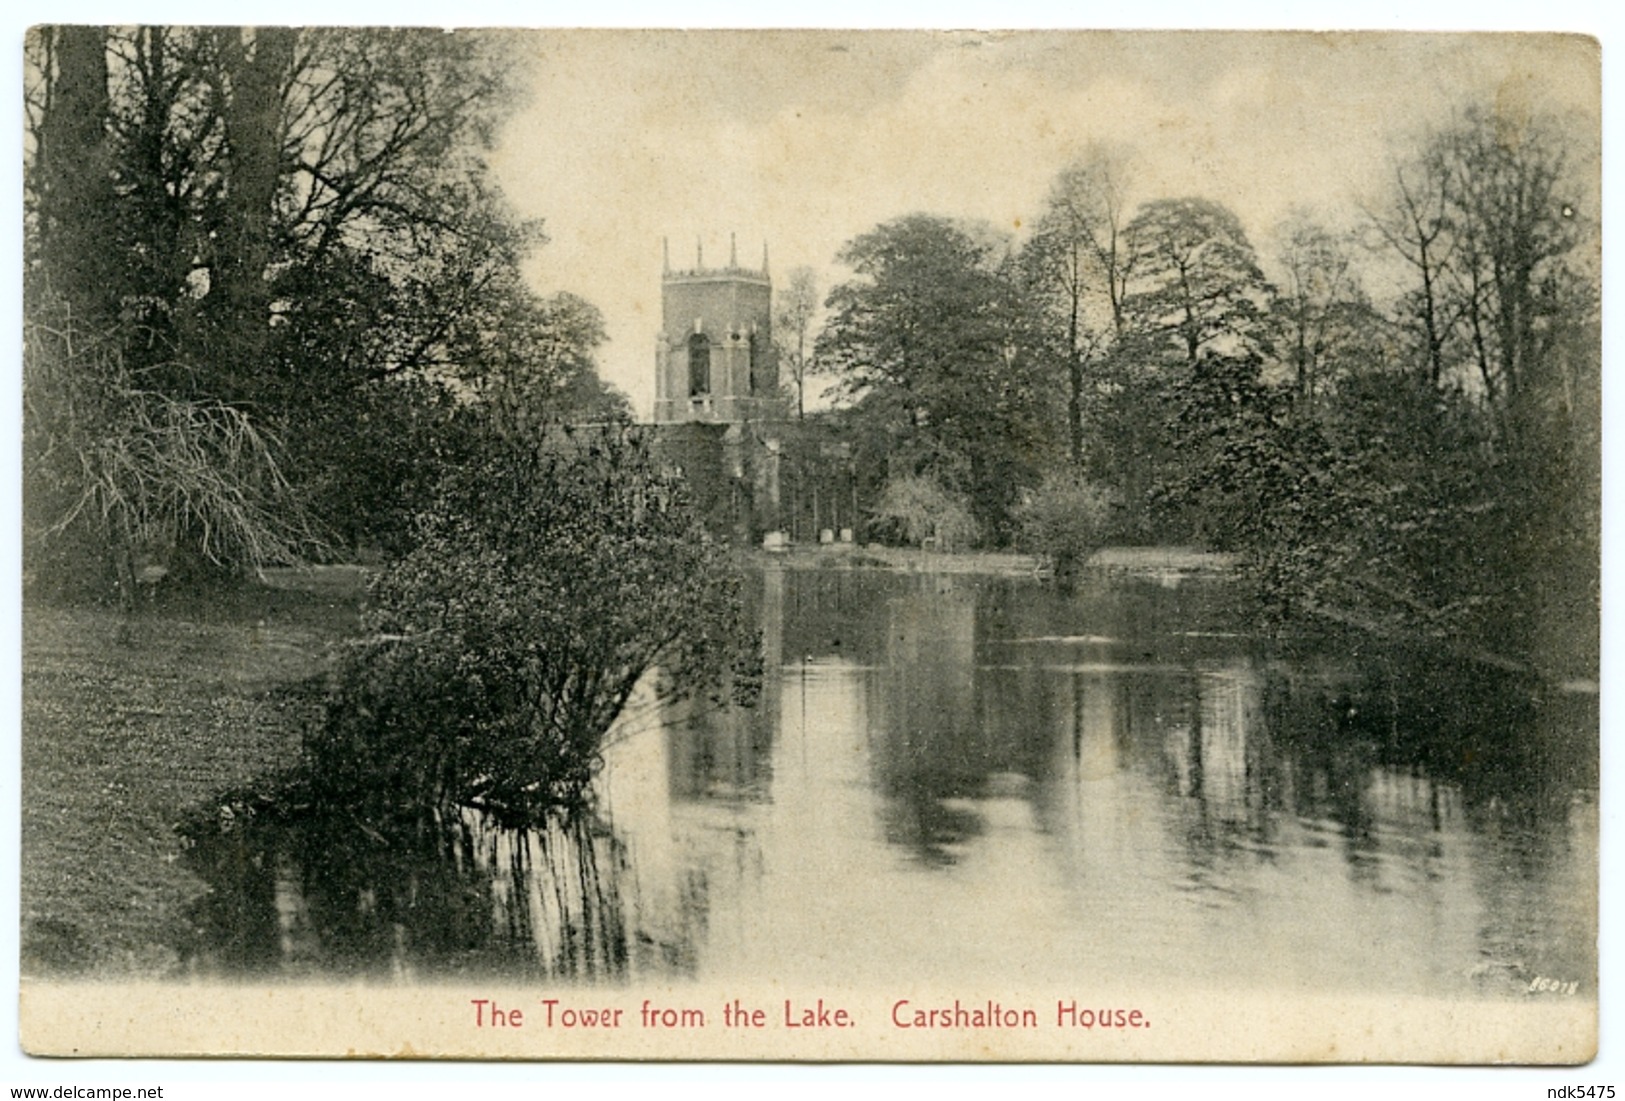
(793, 311)
(1323, 310)
(1488, 214)
(1515, 216)
(1414, 225)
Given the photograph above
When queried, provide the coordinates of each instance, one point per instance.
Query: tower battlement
(701, 275)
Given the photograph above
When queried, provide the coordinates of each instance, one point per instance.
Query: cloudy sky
(806, 139)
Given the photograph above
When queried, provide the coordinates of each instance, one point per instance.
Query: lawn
(130, 720)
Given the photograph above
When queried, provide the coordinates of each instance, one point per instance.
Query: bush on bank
(1066, 519)
(544, 584)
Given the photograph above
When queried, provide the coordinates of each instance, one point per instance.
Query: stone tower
(714, 356)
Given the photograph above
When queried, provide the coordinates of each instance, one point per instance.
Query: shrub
(367, 460)
(118, 477)
(544, 584)
(914, 509)
(1065, 520)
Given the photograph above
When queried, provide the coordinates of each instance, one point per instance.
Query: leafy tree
(1377, 510)
(1445, 485)
(1220, 420)
(1197, 285)
(277, 221)
(123, 473)
(1522, 297)
(1195, 340)
(1066, 519)
(585, 398)
(367, 463)
(932, 344)
(538, 368)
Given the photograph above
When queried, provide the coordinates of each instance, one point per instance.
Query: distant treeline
(1424, 463)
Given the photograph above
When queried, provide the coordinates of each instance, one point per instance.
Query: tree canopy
(280, 223)
(1197, 284)
(931, 342)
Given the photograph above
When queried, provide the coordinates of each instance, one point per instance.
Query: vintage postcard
(811, 545)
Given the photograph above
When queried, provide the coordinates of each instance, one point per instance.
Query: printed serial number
(1543, 985)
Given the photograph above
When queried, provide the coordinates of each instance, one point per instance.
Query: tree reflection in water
(308, 892)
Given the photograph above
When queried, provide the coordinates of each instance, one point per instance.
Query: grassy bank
(128, 722)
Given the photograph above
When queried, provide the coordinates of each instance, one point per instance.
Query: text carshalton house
(991, 1014)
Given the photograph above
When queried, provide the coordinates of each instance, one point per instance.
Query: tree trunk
(253, 119)
(73, 178)
(1074, 403)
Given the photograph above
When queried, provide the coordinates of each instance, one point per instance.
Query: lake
(981, 778)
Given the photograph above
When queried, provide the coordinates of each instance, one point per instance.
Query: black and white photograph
(803, 545)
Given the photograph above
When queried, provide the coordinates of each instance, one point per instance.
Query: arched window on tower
(755, 363)
(699, 366)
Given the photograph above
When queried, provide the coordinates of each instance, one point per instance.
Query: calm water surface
(979, 779)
